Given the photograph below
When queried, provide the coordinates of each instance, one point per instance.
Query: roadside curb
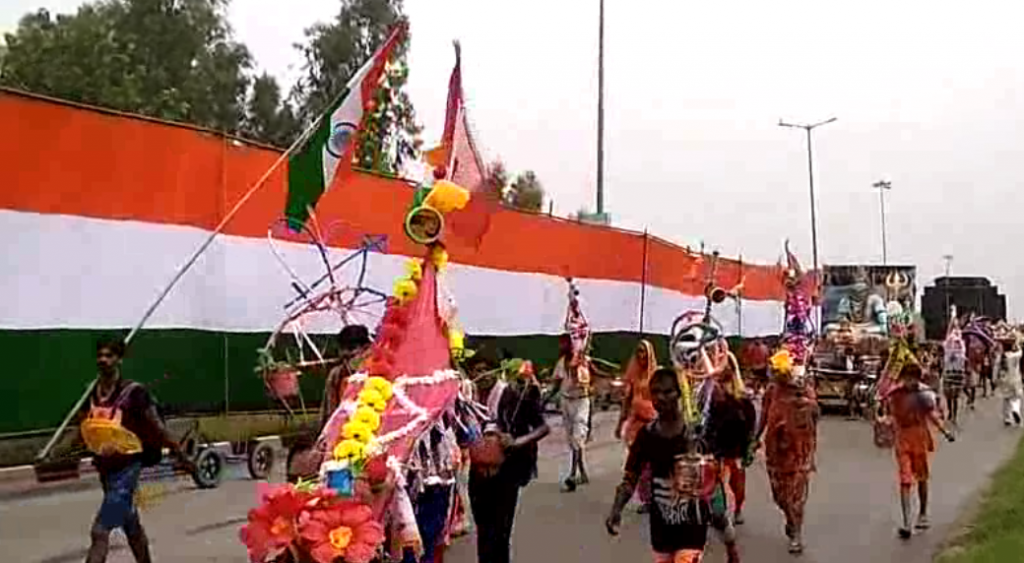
(19, 482)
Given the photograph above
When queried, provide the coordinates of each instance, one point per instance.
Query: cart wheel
(209, 469)
(261, 460)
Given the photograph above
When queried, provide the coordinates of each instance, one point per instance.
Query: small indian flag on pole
(324, 155)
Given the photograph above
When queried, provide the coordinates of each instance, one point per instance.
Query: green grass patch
(995, 532)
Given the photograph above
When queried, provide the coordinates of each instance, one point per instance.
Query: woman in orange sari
(637, 409)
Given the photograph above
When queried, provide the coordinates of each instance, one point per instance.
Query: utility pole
(808, 128)
(949, 265)
(883, 186)
(600, 109)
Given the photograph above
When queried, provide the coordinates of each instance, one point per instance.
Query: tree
(269, 118)
(496, 180)
(334, 52)
(526, 192)
(170, 59)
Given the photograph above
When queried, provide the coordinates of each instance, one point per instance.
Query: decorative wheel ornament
(337, 298)
(692, 333)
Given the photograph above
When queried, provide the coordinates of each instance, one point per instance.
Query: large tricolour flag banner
(324, 156)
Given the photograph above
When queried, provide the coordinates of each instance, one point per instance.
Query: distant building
(970, 295)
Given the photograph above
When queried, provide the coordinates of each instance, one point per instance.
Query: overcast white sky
(929, 95)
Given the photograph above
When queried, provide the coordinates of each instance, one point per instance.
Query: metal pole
(739, 301)
(885, 250)
(814, 211)
(949, 260)
(643, 284)
(882, 186)
(814, 227)
(600, 109)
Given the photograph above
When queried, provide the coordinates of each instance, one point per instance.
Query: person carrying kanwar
(954, 369)
(913, 410)
(121, 425)
(681, 512)
(572, 383)
(788, 430)
(638, 409)
(353, 344)
(729, 432)
(1008, 378)
(755, 359)
(506, 460)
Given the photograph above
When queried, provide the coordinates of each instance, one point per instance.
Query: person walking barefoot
(789, 429)
(914, 411)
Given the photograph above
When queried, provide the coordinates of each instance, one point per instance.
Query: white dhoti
(576, 418)
(1011, 410)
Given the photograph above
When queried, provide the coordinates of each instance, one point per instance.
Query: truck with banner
(859, 303)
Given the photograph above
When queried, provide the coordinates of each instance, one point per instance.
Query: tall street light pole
(808, 128)
(883, 186)
(600, 109)
(949, 264)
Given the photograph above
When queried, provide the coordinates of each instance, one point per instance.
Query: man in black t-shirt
(494, 492)
(680, 513)
(130, 403)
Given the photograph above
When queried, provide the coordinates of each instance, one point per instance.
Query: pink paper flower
(342, 530)
(272, 526)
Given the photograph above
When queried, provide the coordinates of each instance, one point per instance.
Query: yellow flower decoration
(405, 290)
(782, 362)
(349, 450)
(373, 399)
(368, 417)
(355, 430)
(456, 339)
(439, 257)
(414, 269)
(380, 385)
(340, 537)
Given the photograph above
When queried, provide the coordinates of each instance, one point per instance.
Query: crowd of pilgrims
(691, 432)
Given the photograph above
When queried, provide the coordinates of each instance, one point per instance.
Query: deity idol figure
(864, 310)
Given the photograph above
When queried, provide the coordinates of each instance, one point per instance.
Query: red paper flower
(376, 470)
(341, 530)
(272, 525)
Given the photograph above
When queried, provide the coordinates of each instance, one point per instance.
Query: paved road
(851, 515)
